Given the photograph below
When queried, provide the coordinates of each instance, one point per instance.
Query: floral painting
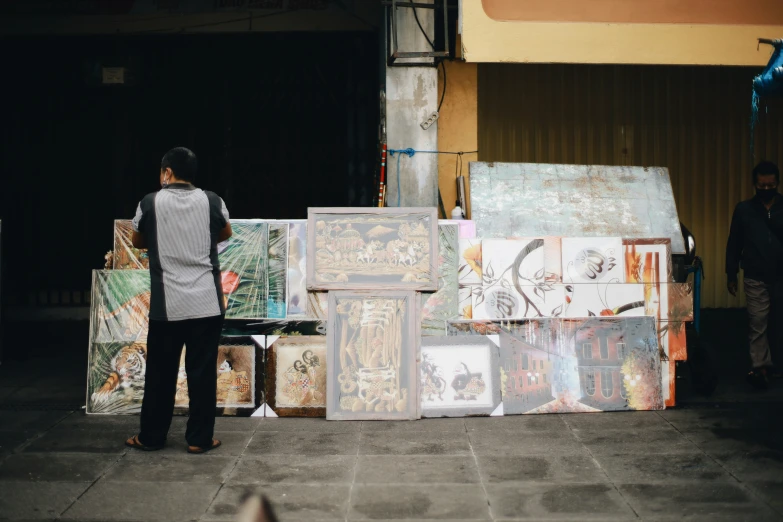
(514, 282)
(443, 304)
(296, 376)
(125, 255)
(593, 260)
(459, 376)
(372, 347)
(372, 248)
(605, 300)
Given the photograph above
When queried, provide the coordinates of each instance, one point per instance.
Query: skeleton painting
(125, 255)
(296, 376)
(372, 347)
(459, 376)
(593, 260)
(443, 304)
(372, 248)
(514, 283)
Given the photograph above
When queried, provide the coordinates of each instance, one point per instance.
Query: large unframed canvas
(538, 200)
(459, 376)
(369, 248)
(244, 268)
(296, 376)
(514, 283)
(119, 305)
(125, 255)
(372, 348)
(575, 365)
(236, 376)
(443, 304)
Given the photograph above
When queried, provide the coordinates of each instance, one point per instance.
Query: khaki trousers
(763, 309)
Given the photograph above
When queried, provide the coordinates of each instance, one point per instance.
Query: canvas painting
(459, 376)
(372, 248)
(244, 266)
(648, 261)
(297, 268)
(469, 272)
(236, 377)
(514, 283)
(115, 377)
(593, 260)
(277, 277)
(296, 383)
(274, 327)
(605, 300)
(125, 255)
(465, 306)
(443, 304)
(467, 228)
(372, 350)
(318, 305)
(119, 306)
(575, 365)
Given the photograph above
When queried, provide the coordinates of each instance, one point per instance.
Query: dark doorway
(280, 122)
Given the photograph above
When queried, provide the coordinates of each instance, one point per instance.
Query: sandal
(198, 449)
(135, 443)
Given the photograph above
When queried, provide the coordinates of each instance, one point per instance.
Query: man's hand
(732, 287)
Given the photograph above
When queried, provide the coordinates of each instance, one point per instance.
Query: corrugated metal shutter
(693, 120)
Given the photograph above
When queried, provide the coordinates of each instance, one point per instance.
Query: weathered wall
(693, 120)
(411, 96)
(458, 129)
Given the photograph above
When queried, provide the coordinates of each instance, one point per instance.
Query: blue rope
(412, 152)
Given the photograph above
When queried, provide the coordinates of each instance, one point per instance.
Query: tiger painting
(124, 384)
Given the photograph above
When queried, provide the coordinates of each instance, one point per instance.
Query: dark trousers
(164, 349)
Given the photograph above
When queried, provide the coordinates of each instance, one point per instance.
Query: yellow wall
(457, 126)
(693, 120)
(570, 41)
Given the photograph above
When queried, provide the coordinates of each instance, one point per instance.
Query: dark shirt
(756, 241)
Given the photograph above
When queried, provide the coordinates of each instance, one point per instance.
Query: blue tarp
(768, 84)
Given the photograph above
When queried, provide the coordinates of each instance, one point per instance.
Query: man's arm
(734, 252)
(138, 240)
(224, 233)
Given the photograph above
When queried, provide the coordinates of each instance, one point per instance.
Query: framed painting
(119, 306)
(297, 268)
(125, 255)
(115, 377)
(443, 304)
(372, 353)
(459, 376)
(372, 248)
(296, 376)
(277, 276)
(236, 376)
(593, 260)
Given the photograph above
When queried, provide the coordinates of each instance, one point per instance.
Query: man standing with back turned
(181, 226)
(756, 243)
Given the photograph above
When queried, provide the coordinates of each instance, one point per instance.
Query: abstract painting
(443, 304)
(459, 376)
(119, 306)
(514, 282)
(245, 269)
(296, 376)
(605, 299)
(277, 278)
(236, 377)
(372, 350)
(593, 260)
(115, 377)
(126, 256)
(372, 248)
(575, 365)
(538, 200)
(297, 268)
